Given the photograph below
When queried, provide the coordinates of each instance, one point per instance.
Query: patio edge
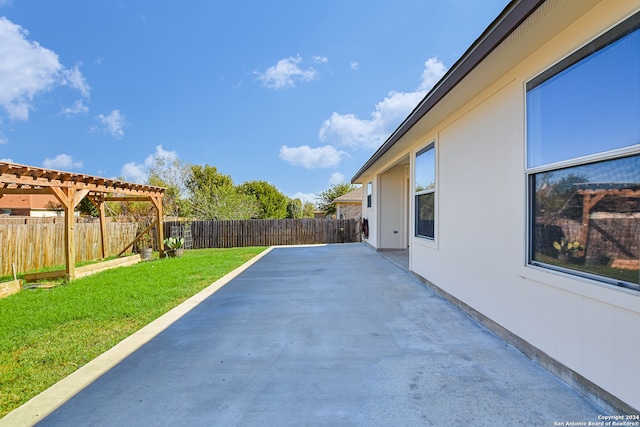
(36, 409)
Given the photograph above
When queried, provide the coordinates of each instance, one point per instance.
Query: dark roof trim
(506, 23)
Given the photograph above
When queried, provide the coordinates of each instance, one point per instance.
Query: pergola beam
(70, 188)
(592, 196)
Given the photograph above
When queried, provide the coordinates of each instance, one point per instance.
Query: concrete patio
(332, 335)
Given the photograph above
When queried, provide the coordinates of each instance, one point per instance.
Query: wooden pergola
(593, 193)
(70, 188)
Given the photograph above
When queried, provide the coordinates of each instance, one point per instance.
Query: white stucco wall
(479, 255)
(393, 212)
(370, 213)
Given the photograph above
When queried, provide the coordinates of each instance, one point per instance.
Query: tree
(308, 210)
(171, 173)
(206, 177)
(87, 208)
(213, 196)
(294, 208)
(54, 206)
(223, 204)
(326, 198)
(271, 202)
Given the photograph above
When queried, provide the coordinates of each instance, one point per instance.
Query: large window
(425, 192)
(583, 160)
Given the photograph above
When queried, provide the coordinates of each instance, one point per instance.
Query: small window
(583, 158)
(425, 188)
(369, 191)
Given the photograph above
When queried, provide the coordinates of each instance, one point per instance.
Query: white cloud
(139, 172)
(321, 59)
(28, 69)
(7, 160)
(78, 107)
(336, 178)
(61, 161)
(285, 74)
(161, 153)
(354, 65)
(433, 72)
(305, 197)
(134, 172)
(112, 123)
(3, 139)
(76, 80)
(351, 131)
(312, 158)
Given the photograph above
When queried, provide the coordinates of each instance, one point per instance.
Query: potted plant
(174, 246)
(566, 249)
(144, 245)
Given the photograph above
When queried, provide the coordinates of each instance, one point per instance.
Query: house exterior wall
(479, 253)
(370, 213)
(348, 210)
(392, 225)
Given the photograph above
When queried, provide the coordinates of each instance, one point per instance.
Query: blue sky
(296, 93)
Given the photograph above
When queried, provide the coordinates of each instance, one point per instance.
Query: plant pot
(563, 258)
(175, 253)
(145, 253)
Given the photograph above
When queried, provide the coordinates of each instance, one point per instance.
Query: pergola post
(157, 203)
(98, 202)
(66, 197)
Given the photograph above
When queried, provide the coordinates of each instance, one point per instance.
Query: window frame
(627, 27)
(430, 191)
(369, 193)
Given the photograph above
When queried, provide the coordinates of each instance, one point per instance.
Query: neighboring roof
(354, 196)
(27, 201)
(516, 12)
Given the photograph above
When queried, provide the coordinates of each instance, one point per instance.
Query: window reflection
(425, 215)
(587, 218)
(570, 114)
(426, 170)
(425, 175)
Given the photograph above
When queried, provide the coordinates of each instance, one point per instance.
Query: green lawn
(45, 335)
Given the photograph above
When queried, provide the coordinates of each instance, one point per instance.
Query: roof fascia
(514, 14)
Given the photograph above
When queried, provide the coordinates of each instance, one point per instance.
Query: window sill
(619, 296)
(425, 242)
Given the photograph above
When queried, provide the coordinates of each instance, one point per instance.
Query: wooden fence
(33, 246)
(268, 232)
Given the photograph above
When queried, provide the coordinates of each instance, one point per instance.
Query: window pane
(587, 218)
(426, 170)
(572, 114)
(425, 215)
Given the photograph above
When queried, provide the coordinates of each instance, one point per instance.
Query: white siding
(479, 255)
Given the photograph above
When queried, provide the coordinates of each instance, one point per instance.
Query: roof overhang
(471, 74)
